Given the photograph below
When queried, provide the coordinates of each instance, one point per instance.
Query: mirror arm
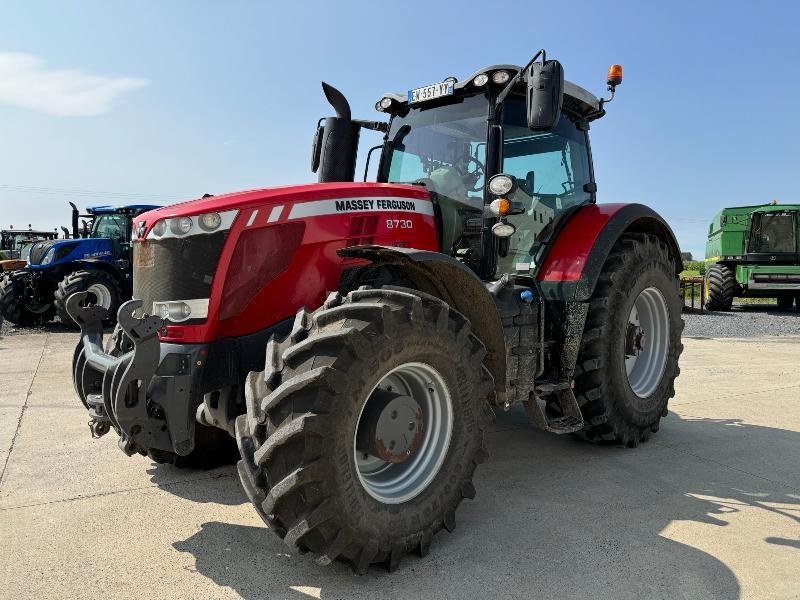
(510, 85)
(373, 125)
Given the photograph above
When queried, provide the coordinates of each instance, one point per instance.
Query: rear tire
(13, 307)
(298, 439)
(785, 302)
(720, 287)
(104, 290)
(620, 402)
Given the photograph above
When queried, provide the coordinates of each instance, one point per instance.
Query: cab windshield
(442, 146)
(109, 226)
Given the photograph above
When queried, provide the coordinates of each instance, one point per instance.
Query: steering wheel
(470, 177)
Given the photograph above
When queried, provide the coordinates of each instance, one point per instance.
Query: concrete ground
(708, 508)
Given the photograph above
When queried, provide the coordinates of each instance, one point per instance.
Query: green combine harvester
(752, 252)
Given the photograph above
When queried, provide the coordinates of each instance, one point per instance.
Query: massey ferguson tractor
(354, 337)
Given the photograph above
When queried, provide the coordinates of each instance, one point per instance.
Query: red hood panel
(307, 191)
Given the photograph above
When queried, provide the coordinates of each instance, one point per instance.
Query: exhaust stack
(333, 155)
(75, 213)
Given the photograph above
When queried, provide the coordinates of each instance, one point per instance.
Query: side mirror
(545, 94)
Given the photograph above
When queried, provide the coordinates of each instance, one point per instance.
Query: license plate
(430, 92)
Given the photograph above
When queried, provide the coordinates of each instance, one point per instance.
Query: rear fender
(572, 266)
(446, 278)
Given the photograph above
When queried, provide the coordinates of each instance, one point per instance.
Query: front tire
(13, 305)
(104, 290)
(319, 473)
(631, 344)
(720, 287)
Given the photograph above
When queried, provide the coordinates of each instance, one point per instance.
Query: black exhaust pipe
(75, 213)
(333, 155)
(66, 232)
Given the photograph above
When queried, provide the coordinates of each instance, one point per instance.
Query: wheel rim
(647, 342)
(419, 452)
(102, 295)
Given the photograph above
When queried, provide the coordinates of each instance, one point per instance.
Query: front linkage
(116, 388)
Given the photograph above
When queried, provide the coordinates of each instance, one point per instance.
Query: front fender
(448, 279)
(571, 267)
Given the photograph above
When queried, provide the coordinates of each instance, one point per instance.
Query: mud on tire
(612, 411)
(297, 438)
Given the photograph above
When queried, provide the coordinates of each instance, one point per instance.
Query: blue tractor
(96, 259)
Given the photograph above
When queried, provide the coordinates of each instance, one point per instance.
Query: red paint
(568, 255)
(315, 269)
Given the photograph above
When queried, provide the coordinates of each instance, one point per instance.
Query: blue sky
(193, 97)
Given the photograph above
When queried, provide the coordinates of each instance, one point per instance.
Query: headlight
(386, 103)
(500, 77)
(502, 184)
(480, 80)
(48, 256)
(180, 226)
(160, 228)
(181, 310)
(207, 223)
(210, 221)
(503, 230)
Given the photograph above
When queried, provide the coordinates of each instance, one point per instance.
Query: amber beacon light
(614, 75)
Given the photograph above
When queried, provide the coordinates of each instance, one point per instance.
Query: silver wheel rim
(393, 483)
(102, 295)
(645, 361)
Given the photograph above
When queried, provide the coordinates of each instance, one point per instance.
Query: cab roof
(128, 208)
(576, 99)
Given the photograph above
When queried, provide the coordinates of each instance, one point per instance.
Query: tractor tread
(288, 454)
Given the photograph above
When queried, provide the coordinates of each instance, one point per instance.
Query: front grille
(175, 268)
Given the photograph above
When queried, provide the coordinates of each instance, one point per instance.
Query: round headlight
(210, 221)
(503, 230)
(181, 225)
(386, 103)
(501, 184)
(480, 80)
(160, 228)
(500, 77)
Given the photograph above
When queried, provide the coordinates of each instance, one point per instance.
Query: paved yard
(709, 508)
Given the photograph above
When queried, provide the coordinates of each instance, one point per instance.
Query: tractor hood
(44, 254)
(242, 201)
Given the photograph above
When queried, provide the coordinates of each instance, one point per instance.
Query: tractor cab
(12, 241)
(526, 126)
(773, 231)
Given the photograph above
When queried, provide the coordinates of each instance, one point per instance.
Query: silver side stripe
(252, 218)
(351, 205)
(275, 213)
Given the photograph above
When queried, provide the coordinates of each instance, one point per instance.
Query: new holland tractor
(752, 251)
(96, 261)
(354, 337)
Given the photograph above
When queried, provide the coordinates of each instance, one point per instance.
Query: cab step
(570, 420)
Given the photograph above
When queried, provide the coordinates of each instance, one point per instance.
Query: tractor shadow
(554, 517)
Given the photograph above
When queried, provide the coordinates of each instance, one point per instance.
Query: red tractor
(353, 338)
